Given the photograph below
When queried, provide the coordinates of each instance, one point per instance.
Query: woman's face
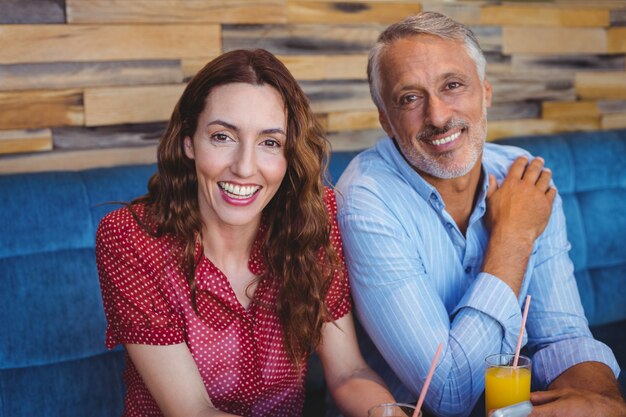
(239, 151)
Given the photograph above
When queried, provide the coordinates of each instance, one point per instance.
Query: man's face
(435, 105)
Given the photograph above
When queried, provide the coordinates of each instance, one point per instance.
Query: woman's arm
(172, 378)
(354, 387)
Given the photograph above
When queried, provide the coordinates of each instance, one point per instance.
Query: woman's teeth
(238, 191)
(445, 140)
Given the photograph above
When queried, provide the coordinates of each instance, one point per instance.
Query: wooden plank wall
(86, 83)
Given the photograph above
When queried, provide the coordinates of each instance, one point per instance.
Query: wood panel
(535, 86)
(354, 140)
(570, 63)
(128, 135)
(522, 127)
(616, 40)
(32, 11)
(537, 40)
(339, 12)
(304, 39)
(77, 160)
(597, 85)
(614, 121)
(542, 15)
(306, 67)
(20, 141)
(176, 11)
(511, 110)
(612, 106)
(40, 109)
(352, 120)
(55, 43)
(57, 75)
(468, 14)
(570, 109)
(338, 96)
(117, 105)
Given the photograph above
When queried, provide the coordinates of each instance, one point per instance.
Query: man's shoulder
(497, 158)
(371, 166)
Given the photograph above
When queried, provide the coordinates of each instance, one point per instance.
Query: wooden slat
(468, 14)
(176, 11)
(32, 11)
(25, 141)
(544, 15)
(306, 67)
(617, 40)
(118, 105)
(509, 128)
(570, 109)
(569, 63)
(362, 12)
(612, 106)
(303, 39)
(532, 86)
(601, 85)
(510, 110)
(536, 40)
(489, 37)
(352, 120)
(614, 121)
(78, 160)
(354, 140)
(88, 74)
(56, 43)
(338, 96)
(40, 109)
(128, 135)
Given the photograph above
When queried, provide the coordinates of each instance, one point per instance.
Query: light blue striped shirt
(417, 281)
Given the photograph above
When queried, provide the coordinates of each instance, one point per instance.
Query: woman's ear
(188, 145)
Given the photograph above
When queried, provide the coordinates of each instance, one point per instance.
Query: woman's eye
(272, 143)
(220, 137)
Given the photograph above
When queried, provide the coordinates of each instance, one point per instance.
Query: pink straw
(521, 331)
(429, 377)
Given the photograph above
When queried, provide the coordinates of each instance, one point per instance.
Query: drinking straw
(429, 377)
(521, 331)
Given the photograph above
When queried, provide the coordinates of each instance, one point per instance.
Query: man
(446, 235)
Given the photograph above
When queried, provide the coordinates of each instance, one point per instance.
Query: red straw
(429, 377)
(521, 331)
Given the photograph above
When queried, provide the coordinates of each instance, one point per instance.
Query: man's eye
(408, 99)
(453, 85)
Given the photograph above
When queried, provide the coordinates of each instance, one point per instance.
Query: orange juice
(506, 385)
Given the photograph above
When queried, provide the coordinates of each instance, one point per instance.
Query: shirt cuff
(491, 296)
(556, 358)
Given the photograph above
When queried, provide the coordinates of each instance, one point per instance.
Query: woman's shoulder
(122, 223)
(330, 200)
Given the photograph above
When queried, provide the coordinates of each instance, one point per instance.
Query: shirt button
(468, 269)
(450, 225)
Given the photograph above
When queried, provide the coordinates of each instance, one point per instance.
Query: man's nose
(438, 112)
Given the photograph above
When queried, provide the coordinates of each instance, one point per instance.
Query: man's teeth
(239, 191)
(446, 140)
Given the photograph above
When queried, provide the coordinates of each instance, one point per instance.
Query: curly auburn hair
(298, 225)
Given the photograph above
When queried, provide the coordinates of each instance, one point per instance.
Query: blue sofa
(52, 356)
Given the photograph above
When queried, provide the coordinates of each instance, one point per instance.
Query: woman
(222, 279)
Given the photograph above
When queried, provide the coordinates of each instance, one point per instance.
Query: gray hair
(425, 23)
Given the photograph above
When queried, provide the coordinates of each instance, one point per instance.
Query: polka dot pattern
(239, 352)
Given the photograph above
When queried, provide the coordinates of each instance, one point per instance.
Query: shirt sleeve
(558, 331)
(134, 300)
(401, 310)
(338, 299)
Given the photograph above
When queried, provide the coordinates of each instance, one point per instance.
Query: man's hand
(517, 213)
(587, 389)
(521, 206)
(571, 402)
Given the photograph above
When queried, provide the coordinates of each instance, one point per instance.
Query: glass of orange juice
(504, 383)
(392, 410)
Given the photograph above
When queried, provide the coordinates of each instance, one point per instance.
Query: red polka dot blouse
(239, 352)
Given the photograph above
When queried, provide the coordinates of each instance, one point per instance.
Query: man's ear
(487, 94)
(188, 145)
(384, 123)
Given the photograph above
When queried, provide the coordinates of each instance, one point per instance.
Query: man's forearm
(591, 376)
(507, 258)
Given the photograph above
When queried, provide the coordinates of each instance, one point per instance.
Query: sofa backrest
(52, 356)
(589, 170)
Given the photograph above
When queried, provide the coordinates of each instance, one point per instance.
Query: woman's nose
(244, 164)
